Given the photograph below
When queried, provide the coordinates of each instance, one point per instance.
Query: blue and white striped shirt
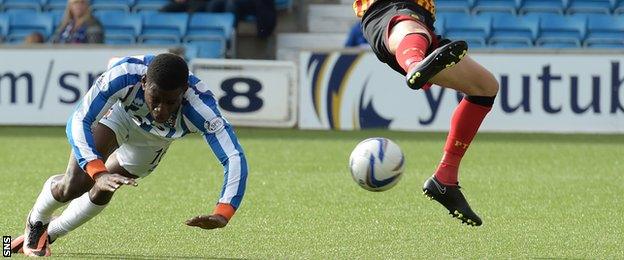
(121, 86)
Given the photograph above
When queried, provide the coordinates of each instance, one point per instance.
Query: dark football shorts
(382, 15)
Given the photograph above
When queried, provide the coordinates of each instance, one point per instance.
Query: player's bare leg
(468, 77)
(404, 28)
(91, 203)
(409, 40)
(60, 189)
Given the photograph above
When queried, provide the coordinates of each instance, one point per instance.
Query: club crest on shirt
(214, 125)
(137, 103)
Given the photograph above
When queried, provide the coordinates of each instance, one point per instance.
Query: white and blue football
(376, 164)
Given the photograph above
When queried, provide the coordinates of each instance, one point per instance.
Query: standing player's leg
(57, 191)
(404, 45)
(409, 40)
(480, 88)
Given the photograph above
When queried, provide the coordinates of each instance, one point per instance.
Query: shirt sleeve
(107, 89)
(204, 115)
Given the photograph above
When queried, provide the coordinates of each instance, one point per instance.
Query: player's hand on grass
(208, 221)
(112, 181)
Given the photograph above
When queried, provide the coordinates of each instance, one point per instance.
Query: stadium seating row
(541, 30)
(529, 6)
(210, 33)
(120, 5)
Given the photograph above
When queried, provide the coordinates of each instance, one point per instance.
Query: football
(376, 164)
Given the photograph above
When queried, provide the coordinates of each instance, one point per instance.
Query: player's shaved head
(168, 72)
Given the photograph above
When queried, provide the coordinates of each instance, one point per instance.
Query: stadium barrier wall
(42, 85)
(539, 92)
(252, 92)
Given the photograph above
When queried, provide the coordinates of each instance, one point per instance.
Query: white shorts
(139, 152)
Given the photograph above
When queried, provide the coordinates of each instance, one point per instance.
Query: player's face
(162, 103)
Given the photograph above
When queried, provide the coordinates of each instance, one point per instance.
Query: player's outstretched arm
(208, 221)
(219, 135)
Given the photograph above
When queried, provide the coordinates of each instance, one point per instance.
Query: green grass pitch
(540, 196)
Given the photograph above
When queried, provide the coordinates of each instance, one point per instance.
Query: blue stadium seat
(24, 23)
(605, 31)
(475, 44)
(510, 31)
(495, 6)
(147, 12)
(4, 27)
(163, 27)
(473, 29)
(510, 45)
(558, 45)
(98, 13)
(618, 9)
(283, 4)
(214, 48)
(191, 51)
(34, 5)
(551, 6)
(439, 24)
(122, 5)
(203, 25)
(448, 14)
(142, 5)
(454, 6)
(57, 17)
(119, 27)
(606, 46)
(53, 5)
(557, 30)
(589, 6)
(159, 41)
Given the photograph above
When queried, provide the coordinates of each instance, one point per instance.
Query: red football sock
(464, 126)
(412, 49)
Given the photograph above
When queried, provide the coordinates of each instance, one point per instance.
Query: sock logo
(421, 52)
(461, 145)
(6, 246)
